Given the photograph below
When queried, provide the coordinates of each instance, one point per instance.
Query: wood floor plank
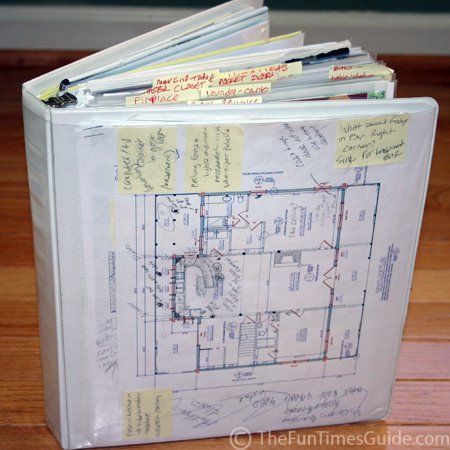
(424, 360)
(377, 435)
(18, 283)
(428, 321)
(22, 402)
(20, 359)
(420, 403)
(19, 317)
(432, 254)
(431, 286)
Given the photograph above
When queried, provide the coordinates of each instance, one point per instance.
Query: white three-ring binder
(217, 243)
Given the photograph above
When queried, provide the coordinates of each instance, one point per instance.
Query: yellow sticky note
(147, 159)
(163, 94)
(200, 102)
(214, 158)
(259, 74)
(147, 414)
(228, 101)
(195, 79)
(252, 75)
(292, 69)
(337, 73)
(236, 90)
(371, 141)
(238, 100)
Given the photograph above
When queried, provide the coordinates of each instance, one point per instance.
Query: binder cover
(202, 269)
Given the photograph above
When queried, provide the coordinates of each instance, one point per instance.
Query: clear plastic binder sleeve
(226, 270)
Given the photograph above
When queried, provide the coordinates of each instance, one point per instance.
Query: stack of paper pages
(217, 244)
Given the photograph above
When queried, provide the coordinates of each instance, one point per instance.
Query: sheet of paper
(262, 296)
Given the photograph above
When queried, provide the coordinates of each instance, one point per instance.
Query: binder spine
(40, 177)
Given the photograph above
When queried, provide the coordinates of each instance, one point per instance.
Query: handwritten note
(238, 90)
(337, 73)
(301, 142)
(147, 159)
(228, 101)
(259, 74)
(198, 79)
(147, 413)
(164, 93)
(292, 408)
(371, 141)
(214, 158)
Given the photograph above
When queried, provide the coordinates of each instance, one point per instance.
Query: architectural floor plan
(247, 274)
(244, 280)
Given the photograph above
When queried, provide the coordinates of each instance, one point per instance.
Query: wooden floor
(421, 403)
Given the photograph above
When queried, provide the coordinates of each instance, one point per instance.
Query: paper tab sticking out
(237, 90)
(259, 74)
(198, 79)
(214, 158)
(146, 159)
(177, 88)
(337, 73)
(371, 141)
(228, 101)
(164, 94)
(147, 414)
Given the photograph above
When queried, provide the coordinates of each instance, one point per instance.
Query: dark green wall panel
(311, 5)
